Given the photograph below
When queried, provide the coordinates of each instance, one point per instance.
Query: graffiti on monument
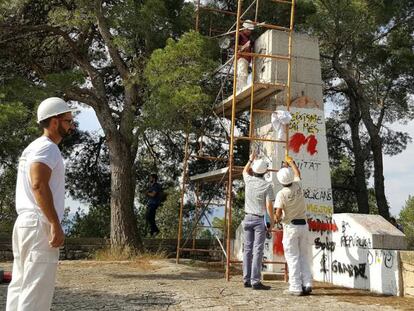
(353, 239)
(305, 102)
(322, 225)
(318, 194)
(305, 122)
(324, 265)
(319, 209)
(353, 270)
(326, 244)
(305, 127)
(309, 165)
(298, 140)
(384, 257)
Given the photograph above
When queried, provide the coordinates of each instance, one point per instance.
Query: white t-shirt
(291, 200)
(47, 152)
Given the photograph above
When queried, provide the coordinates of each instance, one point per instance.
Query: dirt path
(163, 285)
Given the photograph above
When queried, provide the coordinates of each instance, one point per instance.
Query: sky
(399, 173)
(398, 170)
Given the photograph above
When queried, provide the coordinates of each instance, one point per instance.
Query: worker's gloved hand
(288, 159)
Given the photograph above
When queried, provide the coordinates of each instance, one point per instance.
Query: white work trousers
(242, 73)
(34, 266)
(297, 249)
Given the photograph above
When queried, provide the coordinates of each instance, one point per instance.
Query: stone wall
(407, 272)
(84, 248)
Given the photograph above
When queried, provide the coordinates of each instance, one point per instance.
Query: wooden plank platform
(243, 98)
(218, 175)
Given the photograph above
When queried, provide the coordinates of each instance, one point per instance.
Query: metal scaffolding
(230, 108)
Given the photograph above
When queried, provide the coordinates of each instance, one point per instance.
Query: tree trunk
(123, 219)
(359, 168)
(376, 147)
(382, 203)
(357, 94)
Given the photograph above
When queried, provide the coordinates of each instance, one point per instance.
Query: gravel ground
(163, 285)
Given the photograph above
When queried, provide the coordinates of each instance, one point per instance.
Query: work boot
(247, 284)
(306, 290)
(260, 286)
(293, 293)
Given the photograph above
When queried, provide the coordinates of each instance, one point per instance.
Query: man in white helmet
(258, 197)
(245, 45)
(291, 211)
(40, 194)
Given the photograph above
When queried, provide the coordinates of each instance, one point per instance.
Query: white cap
(248, 24)
(285, 176)
(51, 107)
(259, 166)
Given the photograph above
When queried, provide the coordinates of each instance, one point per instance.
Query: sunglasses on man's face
(69, 121)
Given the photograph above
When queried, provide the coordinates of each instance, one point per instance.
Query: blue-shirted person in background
(154, 201)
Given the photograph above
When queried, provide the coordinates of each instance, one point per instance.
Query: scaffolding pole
(231, 136)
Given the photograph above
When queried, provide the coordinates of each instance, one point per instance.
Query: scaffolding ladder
(232, 107)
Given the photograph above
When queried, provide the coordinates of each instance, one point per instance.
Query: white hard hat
(285, 176)
(51, 107)
(248, 24)
(259, 166)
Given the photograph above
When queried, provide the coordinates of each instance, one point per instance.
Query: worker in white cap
(291, 211)
(40, 195)
(258, 197)
(243, 61)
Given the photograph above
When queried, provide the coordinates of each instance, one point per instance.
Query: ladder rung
(269, 84)
(270, 26)
(282, 1)
(200, 250)
(264, 261)
(209, 158)
(203, 226)
(280, 57)
(259, 139)
(205, 8)
(213, 203)
(263, 111)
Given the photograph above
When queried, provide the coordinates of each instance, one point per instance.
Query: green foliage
(148, 25)
(14, 137)
(367, 56)
(93, 52)
(238, 211)
(17, 129)
(178, 76)
(168, 214)
(406, 218)
(206, 234)
(7, 199)
(95, 223)
(64, 79)
(87, 170)
(80, 16)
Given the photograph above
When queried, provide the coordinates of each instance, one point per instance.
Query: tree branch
(383, 106)
(106, 35)
(83, 95)
(154, 155)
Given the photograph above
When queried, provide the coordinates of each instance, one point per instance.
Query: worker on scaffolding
(258, 196)
(290, 203)
(243, 62)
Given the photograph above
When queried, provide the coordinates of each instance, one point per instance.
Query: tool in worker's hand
(288, 159)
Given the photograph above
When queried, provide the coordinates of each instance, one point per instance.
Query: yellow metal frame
(233, 138)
